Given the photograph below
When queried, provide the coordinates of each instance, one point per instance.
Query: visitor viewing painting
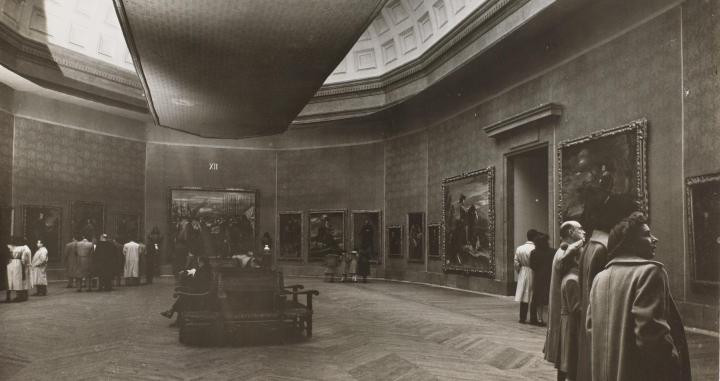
(290, 225)
(88, 219)
(469, 222)
(212, 222)
(416, 237)
(366, 226)
(326, 230)
(605, 170)
(43, 223)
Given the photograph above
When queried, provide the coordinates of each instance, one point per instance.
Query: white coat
(38, 273)
(523, 292)
(131, 251)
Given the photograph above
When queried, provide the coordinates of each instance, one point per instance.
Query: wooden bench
(242, 302)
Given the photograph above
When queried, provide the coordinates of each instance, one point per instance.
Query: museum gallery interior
(360, 177)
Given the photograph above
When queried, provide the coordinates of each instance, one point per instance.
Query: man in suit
(104, 259)
(84, 250)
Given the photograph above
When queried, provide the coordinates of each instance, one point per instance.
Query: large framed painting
(394, 241)
(433, 240)
(703, 217)
(87, 219)
(290, 235)
(128, 227)
(603, 176)
(213, 222)
(366, 226)
(468, 222)
(326, 233)
(44, 223)
(416, 237)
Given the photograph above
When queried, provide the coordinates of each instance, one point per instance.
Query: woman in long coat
(541, 263)
(636, 331)
(18, 270)
(38, 274)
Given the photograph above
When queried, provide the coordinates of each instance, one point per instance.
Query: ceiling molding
(64, 70)
(522, 119)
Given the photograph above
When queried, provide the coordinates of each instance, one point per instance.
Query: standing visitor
(573, 236)
(523, 292)
(4, 259)
(105, 262)
(636, 330)
(84, 249)
(131, 253)
(352, 270)
(541, 262)
(570, 324)
(70, 261)
(16, 274)
(38, 273)
(364, 264)
(153, 253)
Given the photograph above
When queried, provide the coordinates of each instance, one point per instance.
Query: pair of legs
(82, 281)
(40, 290)
(105, 283)
(20, 296)
(524, 311)
(71, 282)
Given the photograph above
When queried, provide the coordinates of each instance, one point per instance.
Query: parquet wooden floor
(374, 331)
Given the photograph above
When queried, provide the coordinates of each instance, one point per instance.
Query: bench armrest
(178, 293)
(308, 293)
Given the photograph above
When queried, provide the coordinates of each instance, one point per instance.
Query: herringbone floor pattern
(374, 331)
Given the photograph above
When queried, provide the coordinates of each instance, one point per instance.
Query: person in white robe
(131, 252)
(38, 270)
(523, 292)
(18, 270)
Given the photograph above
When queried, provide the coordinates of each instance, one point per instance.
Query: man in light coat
(38, 273)
(70, 261)
(523, 292)
(636, 330)
(84, 250)
(573, 236)
(131, 252)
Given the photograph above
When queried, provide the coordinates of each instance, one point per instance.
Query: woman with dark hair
(541, 263)
(636, 330)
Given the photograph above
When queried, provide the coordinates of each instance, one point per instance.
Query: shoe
(541, 324)
(168, 314)
(521, 321)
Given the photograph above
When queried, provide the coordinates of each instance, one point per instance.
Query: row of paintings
(42, 222)
(415, 239)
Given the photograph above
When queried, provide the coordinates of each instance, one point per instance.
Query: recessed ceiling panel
(238, 68)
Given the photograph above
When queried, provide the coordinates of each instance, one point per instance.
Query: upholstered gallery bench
(243, 304)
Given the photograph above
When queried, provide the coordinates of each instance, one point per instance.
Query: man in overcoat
(636, 330)
(105, 262)
(69, 258)
(84, 250)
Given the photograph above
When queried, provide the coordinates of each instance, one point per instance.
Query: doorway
(527, 199)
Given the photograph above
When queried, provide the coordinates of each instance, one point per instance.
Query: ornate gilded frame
(381, 240)
(639, 129)
(489, 172)
(690, 184)
(302, 235)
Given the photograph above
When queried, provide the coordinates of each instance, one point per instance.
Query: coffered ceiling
(238, 68)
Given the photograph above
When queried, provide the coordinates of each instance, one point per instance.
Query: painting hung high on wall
(603, 175)
(433, 241)
(87, 219)
(290, 232)
(213, 222)
(394, 241)
(416, 237)
(127, 228)
(703, 214)
(326, 233)
(43, 223)
(367, 233)
(469, 223)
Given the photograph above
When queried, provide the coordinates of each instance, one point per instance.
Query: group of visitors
(109, 262)
(348, 266)
(611, 315)
(25, 270)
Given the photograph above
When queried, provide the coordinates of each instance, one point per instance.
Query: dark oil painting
(213, 222)
(290, 226)
(326, 233)
(87, 220)
(433, 240)
(127, 228)
(43, 223)
(416, 237)
(367, 234)
(394, 239)
(703, 213)
(469, 223)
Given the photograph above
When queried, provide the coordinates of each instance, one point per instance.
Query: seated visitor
(246, 260)
(196, 280)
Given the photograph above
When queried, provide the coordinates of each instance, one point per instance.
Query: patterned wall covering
(56, 165)
(6, 151)
(406, 177)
